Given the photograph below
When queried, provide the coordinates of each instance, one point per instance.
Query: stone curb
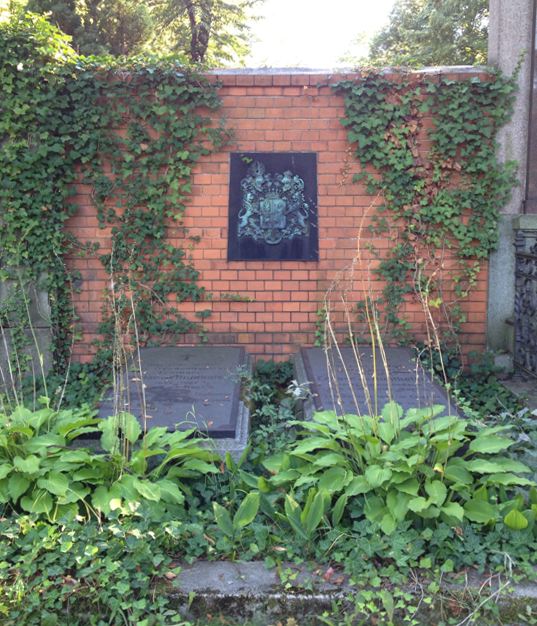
(249, 591)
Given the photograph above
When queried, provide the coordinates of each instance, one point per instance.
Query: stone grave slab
(411, 386)
(188, 387)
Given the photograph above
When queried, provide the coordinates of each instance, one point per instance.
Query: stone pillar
(511, 28)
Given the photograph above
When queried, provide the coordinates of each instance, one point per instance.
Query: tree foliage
(433, 32)
(210, 31)
(203, 31)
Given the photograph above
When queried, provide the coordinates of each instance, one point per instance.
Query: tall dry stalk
(348, 286)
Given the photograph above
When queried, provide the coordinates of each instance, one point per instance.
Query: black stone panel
(410, 385)
(273, 207)
(186, 387)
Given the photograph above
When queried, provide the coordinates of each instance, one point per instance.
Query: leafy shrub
(42, 472)
(418, 467)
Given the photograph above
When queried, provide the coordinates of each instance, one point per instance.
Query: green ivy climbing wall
(445, 200)
(133, 132)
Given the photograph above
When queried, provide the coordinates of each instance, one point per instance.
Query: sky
(314, 33)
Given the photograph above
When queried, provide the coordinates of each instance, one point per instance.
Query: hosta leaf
(170, 492)
(388, 524)
(377, 475)
(284, 477)
(334, 479)
(247, 510)
(38, 502)
(397, 504)
(130, 426)
(328, 459)
(339, 509)
(508, 479)
(490, 444)
(392, 412)
(358, 485)
(75, 492)
(5, 469)
(147, 489)
(374, 508)
(493, 466)
(16, 486)
(37, 444)
(314, 513)
(109, 437)
(386, 432)
(102, 497)
(417, 505)
(55, 483)
(453, 509)
(480, 511)
(436, 491)
(515, 520)
(200, 466)
(153, 436)
(29, 465)
(276, 462)
(410, 486)
(315, 443)
(457, 473)
(223, 519)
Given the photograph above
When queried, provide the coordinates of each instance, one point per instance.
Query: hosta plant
(45, 467)
(418, 465)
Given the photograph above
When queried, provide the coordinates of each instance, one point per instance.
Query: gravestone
(343, 391)
(273, 206)
(187, 387)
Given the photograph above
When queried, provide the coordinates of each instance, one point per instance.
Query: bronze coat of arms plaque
(273, 206)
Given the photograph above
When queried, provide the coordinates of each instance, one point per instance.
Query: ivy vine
(444, 201)
(133, 131)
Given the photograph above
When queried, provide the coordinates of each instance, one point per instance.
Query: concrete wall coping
(278, 71)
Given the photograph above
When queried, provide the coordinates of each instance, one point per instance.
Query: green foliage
(207, 31)
(427, 32)
(419, 467)
(133, 132)
(443, 203)
(45, 471)
(117, 27)
(199, 31)
(245, 515)
(85, 573)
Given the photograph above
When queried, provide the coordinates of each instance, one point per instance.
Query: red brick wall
(272, 113)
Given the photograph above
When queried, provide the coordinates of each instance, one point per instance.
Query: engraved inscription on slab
(343, 390)
(272, 206)
(187, 387)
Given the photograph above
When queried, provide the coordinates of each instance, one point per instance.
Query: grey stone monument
(336, 384)
(187, 387)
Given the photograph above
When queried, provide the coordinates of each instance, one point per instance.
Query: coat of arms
(273, 206)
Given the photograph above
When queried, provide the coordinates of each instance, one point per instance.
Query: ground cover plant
(463, 503)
